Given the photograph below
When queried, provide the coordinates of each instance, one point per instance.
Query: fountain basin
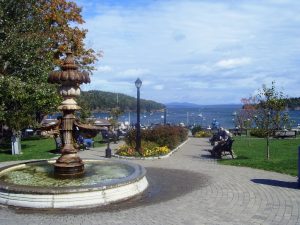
(33, 184)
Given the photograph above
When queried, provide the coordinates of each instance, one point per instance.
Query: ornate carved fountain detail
(69, 78)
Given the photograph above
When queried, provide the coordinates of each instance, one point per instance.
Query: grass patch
(35, 148)
(98, 142)
(251, 152)
(32, 148)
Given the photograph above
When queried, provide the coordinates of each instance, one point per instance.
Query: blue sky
(204, 52)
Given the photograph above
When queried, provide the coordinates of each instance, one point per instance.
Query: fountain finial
(69, 73)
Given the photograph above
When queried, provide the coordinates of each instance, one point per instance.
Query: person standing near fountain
(58, 142)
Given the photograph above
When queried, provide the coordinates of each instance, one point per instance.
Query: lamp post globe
(138, 84)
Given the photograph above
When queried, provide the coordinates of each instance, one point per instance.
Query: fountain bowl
(93, 189)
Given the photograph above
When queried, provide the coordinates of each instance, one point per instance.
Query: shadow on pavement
(276, 183)
(164, 185)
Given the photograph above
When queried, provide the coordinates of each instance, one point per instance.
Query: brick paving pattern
(187, 188)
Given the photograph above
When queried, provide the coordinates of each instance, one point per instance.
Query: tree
(33, 36)
(269, 114)
(24, 66)
(58, 14)
(244, 117)
(115, 113)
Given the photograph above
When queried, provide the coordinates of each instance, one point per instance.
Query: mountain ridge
(97, 100)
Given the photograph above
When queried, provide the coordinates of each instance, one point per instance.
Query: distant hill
(293, 103)
(105, 101)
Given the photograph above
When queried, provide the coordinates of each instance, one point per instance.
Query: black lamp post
(138, 84)
(108, 150)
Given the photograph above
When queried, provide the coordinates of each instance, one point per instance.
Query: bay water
(202, 115)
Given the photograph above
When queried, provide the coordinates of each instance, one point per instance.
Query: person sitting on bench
(217, 149)
(224, 137)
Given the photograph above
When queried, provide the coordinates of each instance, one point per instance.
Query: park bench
(225, 149)
(238, 132)
(285, 134)
(215, 138)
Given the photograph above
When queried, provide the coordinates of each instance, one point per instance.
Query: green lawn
(98, 141)
(251, 152)
(34, 148)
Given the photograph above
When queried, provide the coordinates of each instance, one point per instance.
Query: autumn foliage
(34, 35)
(58, 14)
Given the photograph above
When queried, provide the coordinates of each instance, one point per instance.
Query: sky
(198, 51)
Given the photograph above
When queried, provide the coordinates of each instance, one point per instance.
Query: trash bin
(15, 145)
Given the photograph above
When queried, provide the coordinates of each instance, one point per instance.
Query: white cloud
(233, 63)
(134, 72)
(158, 87)
(198, 85)
(203, 69)
(201, 47)
(104, 69)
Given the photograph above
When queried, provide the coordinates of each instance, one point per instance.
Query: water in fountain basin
(41, 175)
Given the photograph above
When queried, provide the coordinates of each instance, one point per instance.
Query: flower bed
(155, 142)
(201, 134)
(149, 149)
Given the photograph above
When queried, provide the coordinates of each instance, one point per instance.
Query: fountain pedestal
(68, 170)
(69, 164)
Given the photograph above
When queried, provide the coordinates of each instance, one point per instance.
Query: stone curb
(153, 158)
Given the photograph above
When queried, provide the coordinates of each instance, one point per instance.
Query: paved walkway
(187, 188)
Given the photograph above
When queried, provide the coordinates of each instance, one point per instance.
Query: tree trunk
(268, 148)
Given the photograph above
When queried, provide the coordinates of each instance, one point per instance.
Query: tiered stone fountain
(69, 163)
(69, 181)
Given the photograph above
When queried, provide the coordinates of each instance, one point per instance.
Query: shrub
(202, 133)
(196, 129)
(130, 137)
(183, 133)
(258, 133)
(170, 136)
(165, 135)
